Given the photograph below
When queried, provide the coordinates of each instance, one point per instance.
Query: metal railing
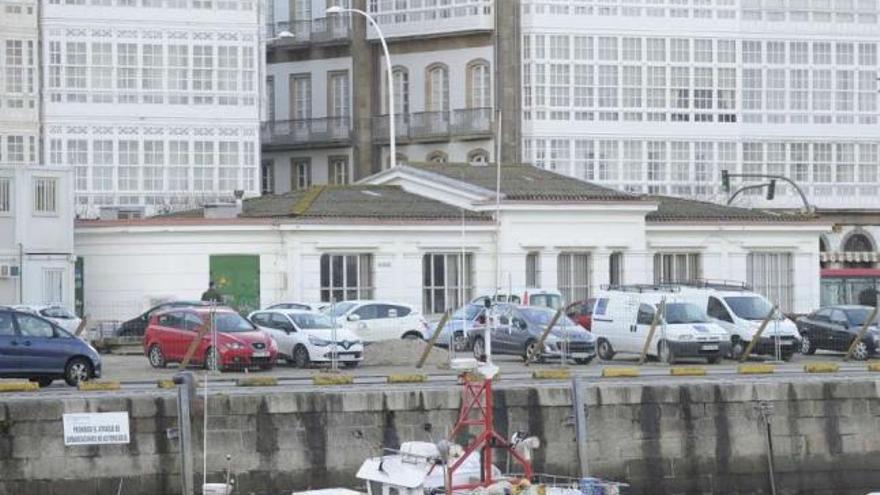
(472, 121)
(429, 124)
(461, 123)
(320, 30)
(380, 127)
(306, 131)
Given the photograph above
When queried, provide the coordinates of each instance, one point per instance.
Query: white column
(601, 267)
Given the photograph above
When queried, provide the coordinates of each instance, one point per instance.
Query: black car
(136, 327)
(835, 327)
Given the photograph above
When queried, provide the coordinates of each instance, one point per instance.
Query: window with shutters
(772, 274)
(573, 275)
(346, 277)
(676, 267)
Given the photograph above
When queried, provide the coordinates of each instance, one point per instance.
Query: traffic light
(725, 181)
(771, 189)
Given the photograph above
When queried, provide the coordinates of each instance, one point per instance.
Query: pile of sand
(402, 353)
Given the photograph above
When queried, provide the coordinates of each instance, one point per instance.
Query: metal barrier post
(654, 323)
(539, 347)
(758, 334)
(861, 334)
(185, 392)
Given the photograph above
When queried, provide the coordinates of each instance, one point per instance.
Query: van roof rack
(643, 287)
(705, 283)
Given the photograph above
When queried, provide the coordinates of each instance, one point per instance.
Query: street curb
(405, 378)
(755, 369)
(257, 381)
(551, 374)
(687, 371)
(98, 386)
(19, 387)
(620, 372)
(332, 379)
(821, 368)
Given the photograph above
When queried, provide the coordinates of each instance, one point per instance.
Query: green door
(237, 279)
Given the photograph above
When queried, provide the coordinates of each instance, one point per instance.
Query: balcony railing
(325, 130)
(472, 122)
(322, 30)
(466, 123)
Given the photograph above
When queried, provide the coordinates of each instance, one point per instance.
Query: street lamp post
(391, 125)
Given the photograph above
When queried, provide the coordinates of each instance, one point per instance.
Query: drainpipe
(20, 273)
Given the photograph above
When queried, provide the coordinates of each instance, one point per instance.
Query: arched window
(437, 88)
(401, 90)
(401, 160)
(478, 157)
(479, 84)
(858, 241)
(438, 157)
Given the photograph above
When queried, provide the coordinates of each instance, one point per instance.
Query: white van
(622, 320)
(530, 296)
(741, 311)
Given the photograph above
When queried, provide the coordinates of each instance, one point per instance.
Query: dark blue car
(34, 348)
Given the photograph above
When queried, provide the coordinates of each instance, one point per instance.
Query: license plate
(710, 347)
(580, 355)
(259, 354)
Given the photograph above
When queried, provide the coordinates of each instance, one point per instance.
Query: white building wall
(36, 235)
(601, 105)
(19, 84)
(152, 104)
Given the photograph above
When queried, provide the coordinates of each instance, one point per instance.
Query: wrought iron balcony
(306, 132)
(472, 123)
(381, 131)
(429, 125)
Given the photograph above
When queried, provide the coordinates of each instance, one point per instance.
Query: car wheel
(606, 352)
(664, 353)
(78, 370)
(301, 357)
(156, 356)
(479, 348)
(351, 364)
(860, 352)
(211, 362)
(737, 348)
(584, 361)
(411, 335)
(807, 346)
(43, 382)
(531, 353)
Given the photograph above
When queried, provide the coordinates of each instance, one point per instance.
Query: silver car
(520, 328)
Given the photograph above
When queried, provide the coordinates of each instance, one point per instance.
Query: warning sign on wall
(96, 428)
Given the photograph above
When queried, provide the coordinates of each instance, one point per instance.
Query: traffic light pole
(744, 189)
(725, 180)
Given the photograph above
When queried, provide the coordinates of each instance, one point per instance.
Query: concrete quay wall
(687, 437)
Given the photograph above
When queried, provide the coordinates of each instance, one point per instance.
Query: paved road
(136, 374)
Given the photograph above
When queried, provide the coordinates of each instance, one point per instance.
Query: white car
(305, 337)
(59, 315)
(302, 306)
(373, 321)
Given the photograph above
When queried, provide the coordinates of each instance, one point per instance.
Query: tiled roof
(353, 202)
(525, 182)
(688, 210)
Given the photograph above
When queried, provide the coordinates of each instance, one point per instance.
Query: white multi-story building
(660, 96)
(19, 86)
(154, 104)
(36, 235)
(327, 96)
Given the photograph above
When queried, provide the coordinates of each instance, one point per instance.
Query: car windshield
(468, 312)
(232, 323)
(311, 321)
(859, 315)
(549, 300)
(750, 307)
(56, 312)
(336, 310)
(685, 313)
(542, 316)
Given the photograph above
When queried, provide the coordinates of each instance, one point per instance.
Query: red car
(582, 312)
(241, 345)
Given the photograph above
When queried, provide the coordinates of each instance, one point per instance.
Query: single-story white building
(426, 234)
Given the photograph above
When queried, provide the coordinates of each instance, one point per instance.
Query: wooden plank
(654, 323)
(539, 347)
(433, 340)
(758, 334)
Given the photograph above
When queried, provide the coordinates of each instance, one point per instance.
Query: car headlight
(685, 337)
(235, 346)
(356, 342)
(318, 341)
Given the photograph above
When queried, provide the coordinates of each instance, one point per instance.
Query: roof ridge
(307, 200)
